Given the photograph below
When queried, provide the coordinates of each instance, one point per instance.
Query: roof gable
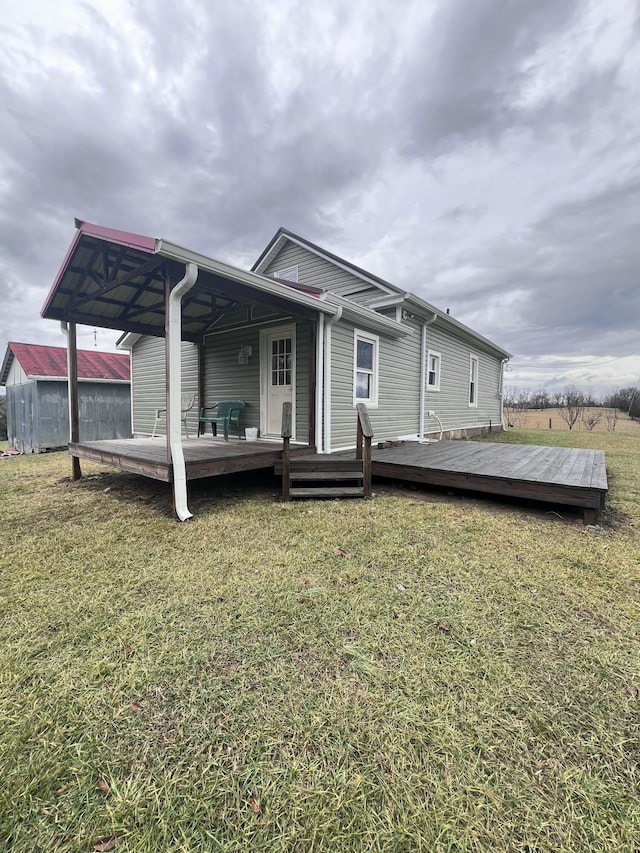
(284, 236)
(50, 362)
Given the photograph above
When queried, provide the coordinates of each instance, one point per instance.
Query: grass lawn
(414, 673)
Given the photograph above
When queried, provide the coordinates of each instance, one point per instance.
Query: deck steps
(326, 478)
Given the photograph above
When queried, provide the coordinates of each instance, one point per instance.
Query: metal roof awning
(118, 280)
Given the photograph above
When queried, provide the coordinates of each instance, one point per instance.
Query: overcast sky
(484, 154)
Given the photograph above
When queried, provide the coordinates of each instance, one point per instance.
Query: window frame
(372, 400)
(473, 381)
(431, 353)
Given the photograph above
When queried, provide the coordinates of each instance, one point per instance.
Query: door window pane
(281, 361)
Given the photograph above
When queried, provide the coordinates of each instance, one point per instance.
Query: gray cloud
(484, 153)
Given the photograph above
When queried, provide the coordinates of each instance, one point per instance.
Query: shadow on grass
(207, 495)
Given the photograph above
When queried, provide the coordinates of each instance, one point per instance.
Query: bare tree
(540, 399)
(591, 418)
(571, 405)
(611, 419)
(514, 402)
(627, 400)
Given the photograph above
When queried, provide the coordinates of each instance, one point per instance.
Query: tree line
(573, 405)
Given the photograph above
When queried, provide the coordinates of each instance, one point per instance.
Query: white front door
(278, 363)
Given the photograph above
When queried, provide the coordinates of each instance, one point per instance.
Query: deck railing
(364, 435)
(285, 432)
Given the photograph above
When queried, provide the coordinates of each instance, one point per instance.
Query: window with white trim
(287, 273)
(365, 368)
(473, 380)
(433, 370)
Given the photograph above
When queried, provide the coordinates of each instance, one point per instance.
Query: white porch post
(173, 326)
(319, 383)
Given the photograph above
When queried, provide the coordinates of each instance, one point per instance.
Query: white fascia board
(273, 251)
(424, 307)
(388, 302)
(257, 282)
(367, 319)
(128, 340)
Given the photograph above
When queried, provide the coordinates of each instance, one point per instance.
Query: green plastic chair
(227, 412)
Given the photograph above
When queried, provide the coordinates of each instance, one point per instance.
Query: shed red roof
(37, 360)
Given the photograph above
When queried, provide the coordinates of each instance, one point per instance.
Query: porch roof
(116, 280)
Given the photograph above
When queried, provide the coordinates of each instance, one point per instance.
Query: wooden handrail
(285, 432)
(363, 446)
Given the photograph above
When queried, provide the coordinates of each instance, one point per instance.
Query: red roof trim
(45, 361)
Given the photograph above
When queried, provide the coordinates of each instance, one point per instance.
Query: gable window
(473, 380)
(287, 273)
(365, 368)
(433, 371)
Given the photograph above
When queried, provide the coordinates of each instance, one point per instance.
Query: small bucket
(251, 433)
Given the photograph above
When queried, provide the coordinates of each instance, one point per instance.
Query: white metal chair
(187, 403)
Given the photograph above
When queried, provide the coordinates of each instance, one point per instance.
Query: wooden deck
(555, 475)
(558, 475)
(204, 456)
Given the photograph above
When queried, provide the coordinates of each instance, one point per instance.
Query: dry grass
(537, 419)
(464, 679)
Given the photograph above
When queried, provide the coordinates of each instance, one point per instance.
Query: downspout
(502, 364)
(423, 373)
(327, 381)
(319, 383)
(174, 420)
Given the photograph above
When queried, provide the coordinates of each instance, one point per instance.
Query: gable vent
(287, 274)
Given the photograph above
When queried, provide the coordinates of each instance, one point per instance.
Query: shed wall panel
(16, 375)
(38, 413)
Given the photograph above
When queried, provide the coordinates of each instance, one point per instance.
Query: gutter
(327, 382)
(502, 364)
(258, 282)
(174, 434)
(365, 318)
(477, 338)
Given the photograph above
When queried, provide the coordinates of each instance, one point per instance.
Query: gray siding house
(35, 377)
(420, 372)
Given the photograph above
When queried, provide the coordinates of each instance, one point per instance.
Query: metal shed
(35, 377)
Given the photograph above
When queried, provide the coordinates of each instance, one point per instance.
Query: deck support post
(74, 400)
(590, 516)
(286, 453)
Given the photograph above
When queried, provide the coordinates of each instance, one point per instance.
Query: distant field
(537, 419)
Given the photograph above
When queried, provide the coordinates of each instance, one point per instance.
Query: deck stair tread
(327, 492)
(311, 476)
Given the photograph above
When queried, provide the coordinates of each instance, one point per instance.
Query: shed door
(278, 378)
